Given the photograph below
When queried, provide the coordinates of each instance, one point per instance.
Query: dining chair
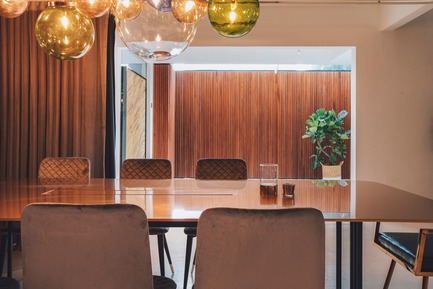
(414, 251)
(52, 171)
(73, 246)
(9, 283)
(64, 170)
(212, 169)
(151, 169)
(253, 248)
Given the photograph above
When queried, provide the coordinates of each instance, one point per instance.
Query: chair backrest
(146, 169)
(245, 248)
(85, 246)
(221, 169)
(64, 170)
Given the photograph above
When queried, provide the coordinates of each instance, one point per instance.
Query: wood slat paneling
(161, 91)
(256, 115)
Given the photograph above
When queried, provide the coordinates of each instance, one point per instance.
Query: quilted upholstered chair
(9, 283)
(212, 169)
(245, 248)
(64, 170)
(414, 251)
(52, 171)
(87, 246)
(151, 169)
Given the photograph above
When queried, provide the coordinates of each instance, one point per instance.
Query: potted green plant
(326, 130)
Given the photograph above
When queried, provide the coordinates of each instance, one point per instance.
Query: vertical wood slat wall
(258, 116)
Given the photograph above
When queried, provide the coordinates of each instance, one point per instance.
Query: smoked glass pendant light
(155, 35)
(161, 5)
(12, 8)
(93, 8)
(233, 18)
(189, 11)
(126, 9)
(63, 32)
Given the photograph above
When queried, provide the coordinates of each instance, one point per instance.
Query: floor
(375, 263)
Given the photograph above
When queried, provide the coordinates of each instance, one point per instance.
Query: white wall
(394, 82)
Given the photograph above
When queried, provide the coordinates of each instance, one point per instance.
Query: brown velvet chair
(9, 283)
(246, 248)
(151, 169)
(212, 169)
(52, 171)
(414, 251)
(87, 246)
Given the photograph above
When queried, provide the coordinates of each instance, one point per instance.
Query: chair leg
(161, 254)
(167, 252)
(187, 260)
(3, 242)
(193, 263)
(389, 275)
(425, 282)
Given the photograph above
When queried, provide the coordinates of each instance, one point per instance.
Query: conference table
(179, 202)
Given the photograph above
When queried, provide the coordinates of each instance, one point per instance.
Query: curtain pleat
(49, 107)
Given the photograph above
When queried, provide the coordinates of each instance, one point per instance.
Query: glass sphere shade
(161, 5)
(63, 32)
(233, 18)
(126, 9)
(189, 11)
(155, 35)
(12, 8)
(93, 8)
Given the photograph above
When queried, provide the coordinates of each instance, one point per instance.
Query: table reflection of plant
(328, 183)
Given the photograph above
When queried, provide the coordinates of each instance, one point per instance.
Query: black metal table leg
(9, 248)
(356, 255)
(338, 256)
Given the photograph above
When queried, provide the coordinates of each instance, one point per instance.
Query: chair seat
(404, 247)
(160, 282)
(190, 231)
(157, 230)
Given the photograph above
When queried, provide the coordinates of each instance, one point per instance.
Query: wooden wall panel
(161, 91)
(255, 115)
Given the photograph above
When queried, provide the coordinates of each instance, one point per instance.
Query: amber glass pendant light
(12, 8)
(155, 35)
(126, 9)
(233, 18)
(93, 8)
(189, 11)
(63, 32)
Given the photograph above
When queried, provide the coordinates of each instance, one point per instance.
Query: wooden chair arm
(422, 240)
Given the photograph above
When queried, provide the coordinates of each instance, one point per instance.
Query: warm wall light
(63, 32)
(126, 9)
(155, 35)
(233, 18)
(189, 11)
(12, 8)
(93, 8)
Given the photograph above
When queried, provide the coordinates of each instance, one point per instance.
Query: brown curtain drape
(49, 107)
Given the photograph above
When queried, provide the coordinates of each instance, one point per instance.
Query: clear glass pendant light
(155, 35)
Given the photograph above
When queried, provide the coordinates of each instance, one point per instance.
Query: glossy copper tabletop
(183, 200)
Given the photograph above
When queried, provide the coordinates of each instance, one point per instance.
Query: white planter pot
(331, 172)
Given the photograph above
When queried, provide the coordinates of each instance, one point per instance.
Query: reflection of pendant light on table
(63, 32)
(233, 18)
(12, 8)
(155, 35)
